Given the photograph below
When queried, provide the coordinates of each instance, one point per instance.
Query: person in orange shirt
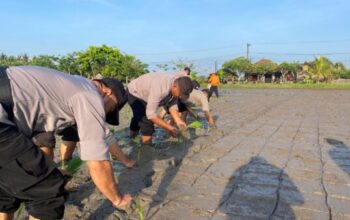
(214, 82)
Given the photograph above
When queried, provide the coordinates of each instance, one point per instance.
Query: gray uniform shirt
(198, 98)
(152, 88)
(49, 100)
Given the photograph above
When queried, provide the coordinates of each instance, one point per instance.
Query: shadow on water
(340, 154)
(260, 190)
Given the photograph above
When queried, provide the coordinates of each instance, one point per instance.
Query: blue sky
(202, 31)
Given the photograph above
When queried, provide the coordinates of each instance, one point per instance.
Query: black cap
(185, 86)
(118, 90)
(188, 70)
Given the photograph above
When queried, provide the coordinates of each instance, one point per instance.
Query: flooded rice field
(277, 154)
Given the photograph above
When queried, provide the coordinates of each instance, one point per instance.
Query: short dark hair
(185, 85)
(188, 70)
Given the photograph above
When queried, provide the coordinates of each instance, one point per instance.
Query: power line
(303, 42)
(303, 54)
(199, 59)
(242, 44)
(189, 51)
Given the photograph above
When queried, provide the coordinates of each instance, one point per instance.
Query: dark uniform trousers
(26, 174)
(214, 89)
(139, 120)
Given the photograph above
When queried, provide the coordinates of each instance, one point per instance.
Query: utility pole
(248, 45)
(216, 65)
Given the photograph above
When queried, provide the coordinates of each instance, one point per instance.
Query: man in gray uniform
(34, 100)
(197, 98)
(149, 91)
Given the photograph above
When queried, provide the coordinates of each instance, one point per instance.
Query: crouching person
(34, 100)
(196, 98)
(150, 91)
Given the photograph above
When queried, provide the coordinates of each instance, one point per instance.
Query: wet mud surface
(277, 154)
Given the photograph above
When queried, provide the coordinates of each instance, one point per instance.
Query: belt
(5, 93)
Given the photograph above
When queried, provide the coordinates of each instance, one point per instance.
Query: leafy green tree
(68, 63)
(14, 60)
(237, 65)
(202, 79)
(343, 74)
(132, 68)
(49, 61)
(286, 68)
(103, 60)
(321, 69)
(109, 62)
(339, 66)
(341, 71)
(221, 74)
(24, 59)
(193, 75)
(265, 66)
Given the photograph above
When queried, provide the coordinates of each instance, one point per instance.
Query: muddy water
(278, 154)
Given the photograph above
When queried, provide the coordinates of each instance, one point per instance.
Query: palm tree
(321, 69)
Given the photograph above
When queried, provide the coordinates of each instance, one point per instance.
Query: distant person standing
(195, 83)
(214, 82)
(187, 70)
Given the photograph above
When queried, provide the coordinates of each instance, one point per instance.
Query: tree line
(111, 62)
(104, 60)
(318, 70)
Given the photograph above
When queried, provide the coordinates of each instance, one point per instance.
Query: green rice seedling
(63, 164)
(179, 139)
(136, 139)
(139, 207)
(19, 211)
(195, 124)
(112, 130)
(74, 164)
(138, 153)
(208, 129)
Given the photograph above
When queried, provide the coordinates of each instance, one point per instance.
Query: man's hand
(210, 119)
(172, 131)
(181, 125)
(123, 202)
(102, 174)
(213, 125)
